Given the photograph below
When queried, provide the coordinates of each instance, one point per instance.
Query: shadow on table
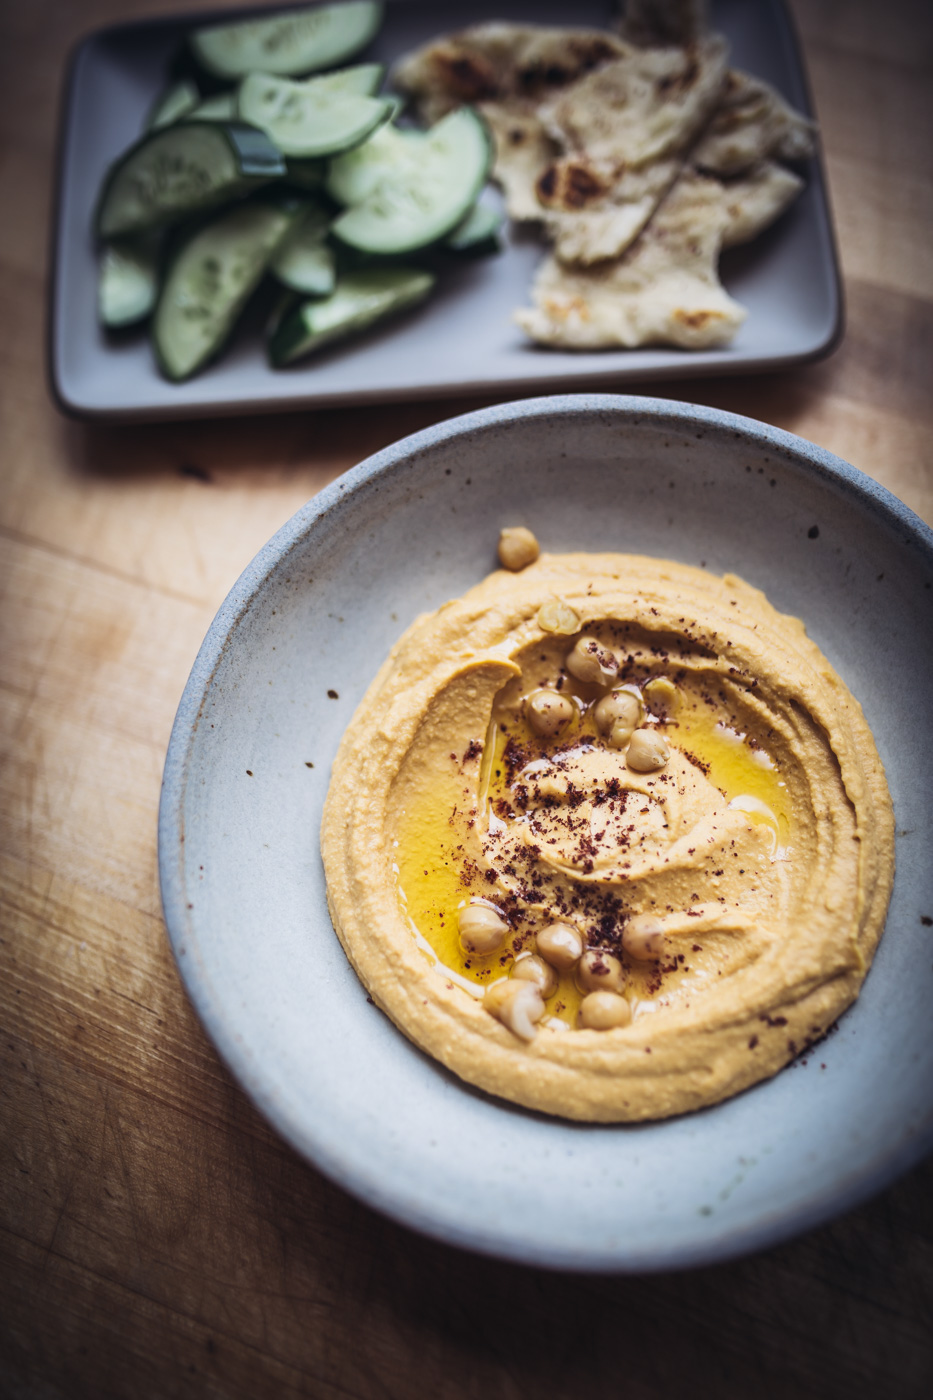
(210, 450)
(843, 1311)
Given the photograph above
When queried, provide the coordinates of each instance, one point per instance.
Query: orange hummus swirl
(763, 847)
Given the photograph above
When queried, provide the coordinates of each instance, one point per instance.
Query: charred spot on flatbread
(570, 184)
(696, 320)
(464, 74)
(523, 151)
(579, 54)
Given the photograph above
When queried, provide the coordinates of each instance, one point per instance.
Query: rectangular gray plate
(463, 340)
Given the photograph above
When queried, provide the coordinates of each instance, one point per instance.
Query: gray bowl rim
(877, 1171)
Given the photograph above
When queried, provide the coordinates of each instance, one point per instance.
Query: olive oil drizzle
(429, 850)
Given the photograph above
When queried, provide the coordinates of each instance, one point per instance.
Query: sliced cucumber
(389, 152)
(359, 299)
(210, 281)
(128, 282)
(478, 232)
(360, 80)
(305, 261)
(412, 207)
(310, 118)
(176, 102)
(182, 169)
(219, 108)
(291, 43)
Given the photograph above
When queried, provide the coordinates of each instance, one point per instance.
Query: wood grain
(156, 1238)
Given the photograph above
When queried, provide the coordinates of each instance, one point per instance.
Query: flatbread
(595, 211)
(752, 123)
(664, 291)
(523, 152)
(641, 157)
(626, 128)
(505, 63)
(754, 200)
(641, 106)
(590, 132)
(508, 72)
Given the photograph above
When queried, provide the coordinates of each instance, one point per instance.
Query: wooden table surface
(156, 1238)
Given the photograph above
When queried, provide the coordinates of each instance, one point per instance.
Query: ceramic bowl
(278, 677)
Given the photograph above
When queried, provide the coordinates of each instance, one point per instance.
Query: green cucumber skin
(271, 224)
(253, 155)
(304, 329)
(259, 157)
(365, 20)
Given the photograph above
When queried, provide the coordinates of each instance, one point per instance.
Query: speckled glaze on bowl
(280, 672)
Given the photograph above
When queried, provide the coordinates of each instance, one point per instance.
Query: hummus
(639, 793)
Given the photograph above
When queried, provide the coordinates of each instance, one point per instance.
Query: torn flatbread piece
(590, 132)
(641, 106)
(500, 62)
(506, 71)
(752, 123)
(754, 200)
(593, 211)
(523, 152)
(664, 291)
(625, 128)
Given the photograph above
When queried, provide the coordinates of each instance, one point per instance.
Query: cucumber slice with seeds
(305, 261)
(128, 282)
(390, 151)
(359, 300)
(210, 280)
(415, 204)
(182, 169)
(311, 118)
(289, 44)
(360, 80)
